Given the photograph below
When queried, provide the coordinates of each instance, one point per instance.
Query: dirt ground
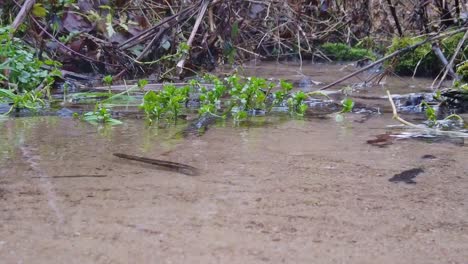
(273, 191)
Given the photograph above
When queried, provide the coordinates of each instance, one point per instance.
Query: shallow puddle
(271, 189)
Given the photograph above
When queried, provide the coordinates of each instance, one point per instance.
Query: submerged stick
(174, 166)
(391, 56)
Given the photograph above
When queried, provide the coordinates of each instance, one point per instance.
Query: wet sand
(277, 191)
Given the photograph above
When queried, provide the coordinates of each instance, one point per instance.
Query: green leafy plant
(431, 116)
(28, 100)
(281, 95)
(210, 99)
(152, 105)
(247, 95)
(108, 80)
(430, 112)
(100, 115)
(297, 104)
(141, 84)
(24, 69)
(24, 74)
(167, 103)
(347, 106)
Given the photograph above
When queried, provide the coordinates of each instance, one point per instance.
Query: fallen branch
(441, 56)
(398, 52)
(23, 13)
(201, 15)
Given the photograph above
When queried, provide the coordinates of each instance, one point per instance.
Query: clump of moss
(449, 45)
(423, 58)
(406, 64)
(462, 71)
(343, 52)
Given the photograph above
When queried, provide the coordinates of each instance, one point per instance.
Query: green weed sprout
(28, 100)
(100, 115)
(108, 80)
(167, 103)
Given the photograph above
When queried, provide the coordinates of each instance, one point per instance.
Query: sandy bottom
(272, 192)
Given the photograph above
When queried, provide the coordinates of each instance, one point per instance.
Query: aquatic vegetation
(347, 105)
(247, 95)
(281, 95)
(210, 99)
(430, 112)
(100, 115)
(30, 100)
(432, 120)
(234, 96)
(343, 52)
(125, 98)
(297, 104)
(369, 43)
(167, 103)
(108, 80)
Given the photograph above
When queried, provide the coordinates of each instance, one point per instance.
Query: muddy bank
(299, 191)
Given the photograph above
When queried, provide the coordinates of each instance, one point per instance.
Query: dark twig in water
(174, 166)
(73, 176)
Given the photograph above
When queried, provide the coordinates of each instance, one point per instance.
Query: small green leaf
(235, 30)
(39, 11)
(142, 83)
(348, 105)
(107, 80)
